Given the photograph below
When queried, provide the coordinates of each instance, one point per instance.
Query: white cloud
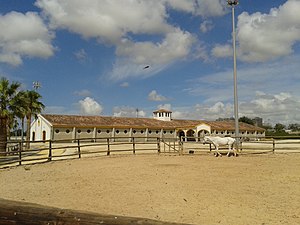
(279, 79)
(81, 55)
(273, 108)
(106, 20)
(133, 56)
(175, 45)
(221, 51)
(165, 106)
(208, 8)
(278, 76)
(116, 22)
(154, 96)
(83, 93)
(126, 111)
(124, 84)
(206, 26)
(89, 106)
(203, 111)
(182, 5)
(278, 108)
(24, 35)
(204, 8)
(265, 37)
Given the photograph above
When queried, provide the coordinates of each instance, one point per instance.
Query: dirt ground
(196, 189)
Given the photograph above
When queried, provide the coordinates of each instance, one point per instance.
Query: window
(165, 132)
(134, 131)
(157, 132)
(142, 131)
(89, 131)
(107, 131)
(149, 131)
(117, 131)
(99, 131)
(125, 131)
(67, 131)
(171, 132)
(79, 131)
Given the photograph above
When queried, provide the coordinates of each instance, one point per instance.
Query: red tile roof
(162, 110)
(123, 122)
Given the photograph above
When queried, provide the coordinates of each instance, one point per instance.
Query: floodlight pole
(36, 85)
(233, 3)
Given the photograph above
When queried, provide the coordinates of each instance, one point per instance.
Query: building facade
(70, 127)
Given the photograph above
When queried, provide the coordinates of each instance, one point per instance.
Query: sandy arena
(196, 189)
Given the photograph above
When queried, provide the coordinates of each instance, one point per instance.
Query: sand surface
(197, 189)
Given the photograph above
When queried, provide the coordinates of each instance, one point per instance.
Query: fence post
(108, 149)
(50, 151)
(174, 144)
(20, 154)
(210, 147)
(273, 145)
(181, 147)
(133, 145)
(158, 145)
(78, 144)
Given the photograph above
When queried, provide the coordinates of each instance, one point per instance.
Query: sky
(131, 57)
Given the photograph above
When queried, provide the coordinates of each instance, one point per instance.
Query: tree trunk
(3, 134)
(28, 121)
(22, 133)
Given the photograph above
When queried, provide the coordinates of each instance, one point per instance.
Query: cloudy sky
(129, 57)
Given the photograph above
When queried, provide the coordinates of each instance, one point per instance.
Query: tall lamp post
(232, 4)
(36, 85)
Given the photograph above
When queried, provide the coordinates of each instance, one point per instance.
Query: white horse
(218, 141)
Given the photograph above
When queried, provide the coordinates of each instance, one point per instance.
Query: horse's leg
(217, 151)
(234, 150)
(229, 149)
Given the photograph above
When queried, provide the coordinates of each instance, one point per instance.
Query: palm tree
(8, 94)
(19, 107)
(33, 107)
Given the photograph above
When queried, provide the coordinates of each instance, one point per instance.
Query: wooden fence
(264, 145)
(45, 151)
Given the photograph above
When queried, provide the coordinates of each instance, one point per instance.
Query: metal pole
(236, 114)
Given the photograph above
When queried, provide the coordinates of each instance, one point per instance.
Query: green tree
(8, 93)
(20, 105)
(245, 119)
(33, 107)
(294, 127)
(279, 128)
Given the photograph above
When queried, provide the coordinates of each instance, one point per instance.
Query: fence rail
(263, 145)
(45, 151)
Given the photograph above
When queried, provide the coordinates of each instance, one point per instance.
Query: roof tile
(124, 122)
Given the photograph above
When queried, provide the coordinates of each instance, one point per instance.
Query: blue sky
(89, 56)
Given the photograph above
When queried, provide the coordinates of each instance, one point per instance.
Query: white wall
(38, 126)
